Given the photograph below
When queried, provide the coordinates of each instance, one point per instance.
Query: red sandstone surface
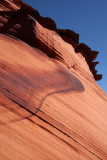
(51, 107)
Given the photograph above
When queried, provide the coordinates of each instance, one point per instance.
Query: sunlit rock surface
(51, 107)
(10, 5)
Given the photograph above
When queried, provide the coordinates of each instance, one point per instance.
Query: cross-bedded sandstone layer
(10, 5)
(51, 107)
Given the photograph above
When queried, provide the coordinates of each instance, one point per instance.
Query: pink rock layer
(51, 107)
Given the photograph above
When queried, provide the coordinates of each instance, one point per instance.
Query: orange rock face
(51, 107)
(10, 5)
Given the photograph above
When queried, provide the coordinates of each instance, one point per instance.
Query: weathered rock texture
(51, 107)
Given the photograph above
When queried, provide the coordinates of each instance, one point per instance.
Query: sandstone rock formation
(51, 107)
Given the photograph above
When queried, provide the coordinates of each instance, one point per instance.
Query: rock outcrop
(51, 106)
(22, 21)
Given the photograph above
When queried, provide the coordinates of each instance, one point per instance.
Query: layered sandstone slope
(51, 107)
(10, 5)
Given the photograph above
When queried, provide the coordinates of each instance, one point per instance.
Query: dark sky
(86, 17)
